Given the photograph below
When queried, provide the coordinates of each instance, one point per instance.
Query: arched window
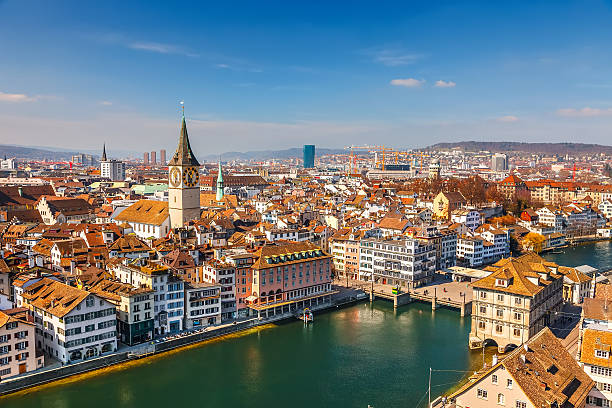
(501, 400)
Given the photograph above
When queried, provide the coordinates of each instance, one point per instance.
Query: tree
(534, 242)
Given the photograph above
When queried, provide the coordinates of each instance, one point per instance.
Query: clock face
(175, 177)
(191, 177)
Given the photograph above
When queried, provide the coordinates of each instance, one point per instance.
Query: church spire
(103, 153)
(183, 155)
(220, 184)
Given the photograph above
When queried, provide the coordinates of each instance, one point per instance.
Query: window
(482, 394)
(518, 301)
(481, 325)
(518, 316)
(483, 309)
(494, 379)
(517, 332)
(601, 354)
(89, 302)
(500, 298)
(483, 295)
(520, 404)
(501, 400)
(498, 328)
(500, 313)
(604, 387)
(509, 384)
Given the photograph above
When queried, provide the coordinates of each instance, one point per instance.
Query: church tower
(220, 184)
(183, 183)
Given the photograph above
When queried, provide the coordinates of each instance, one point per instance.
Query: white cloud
(508, 118)
(392, 57)
(160, 48)
(584, 112)
(445, 84)
(17, 98)
(408, 82)
(106, 103)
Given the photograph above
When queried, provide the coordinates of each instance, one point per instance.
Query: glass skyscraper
(309, 156)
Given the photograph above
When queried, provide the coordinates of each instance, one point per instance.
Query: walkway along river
(349, 357)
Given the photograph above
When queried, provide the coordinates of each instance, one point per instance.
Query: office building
(145, 159)
(309, 156)
(153, 157)
(162, 157)
(499, 162)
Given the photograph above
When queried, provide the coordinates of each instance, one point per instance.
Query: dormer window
(501, 283)
(602, 353)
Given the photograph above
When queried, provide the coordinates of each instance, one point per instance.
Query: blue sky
(265, 75)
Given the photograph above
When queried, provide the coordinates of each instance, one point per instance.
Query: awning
(251, 298)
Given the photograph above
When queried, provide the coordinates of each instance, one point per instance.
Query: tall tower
(183, 182)
(220, 184)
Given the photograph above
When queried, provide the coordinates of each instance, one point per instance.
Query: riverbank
(121, 359)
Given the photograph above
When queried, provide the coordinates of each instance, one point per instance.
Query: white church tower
(183, 183)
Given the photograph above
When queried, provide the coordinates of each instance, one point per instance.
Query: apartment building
(169, 292)
(203, 304)
(215, 271)
(519, 298)
(17, 344)
(135, 323)
(594, 348)
(242, 260)
(71, 324)
(402, 261)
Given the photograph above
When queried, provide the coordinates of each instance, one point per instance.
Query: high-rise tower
(183, 182)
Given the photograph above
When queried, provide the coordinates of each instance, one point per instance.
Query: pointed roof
(220, 175)
(183, 155)
(103, 152)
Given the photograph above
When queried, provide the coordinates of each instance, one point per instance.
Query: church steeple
(103, 153)
(183, 155)
(220, 184)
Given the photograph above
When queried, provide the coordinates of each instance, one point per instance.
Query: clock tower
(183, 183)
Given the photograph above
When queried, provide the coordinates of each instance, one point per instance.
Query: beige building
(517, 300)
(183, 183)
(540, 374)
(447, 202)
(17, 345)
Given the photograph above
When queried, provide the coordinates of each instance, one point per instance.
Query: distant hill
(540, 148)
(260, 155)
(22, 152)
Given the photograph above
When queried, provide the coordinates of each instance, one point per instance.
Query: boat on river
(306, 316)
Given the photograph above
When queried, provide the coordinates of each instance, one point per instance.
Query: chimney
(494, 361)
(523, 359)
(526, 347)
(20, 191)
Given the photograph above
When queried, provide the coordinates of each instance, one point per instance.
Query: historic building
(183, 183)
(520, 297)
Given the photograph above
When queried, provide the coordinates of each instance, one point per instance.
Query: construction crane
(370, 149)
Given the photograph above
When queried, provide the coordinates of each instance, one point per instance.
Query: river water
(349, 357)
(598, 255)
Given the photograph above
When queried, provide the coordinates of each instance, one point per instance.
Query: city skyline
(280, 76)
